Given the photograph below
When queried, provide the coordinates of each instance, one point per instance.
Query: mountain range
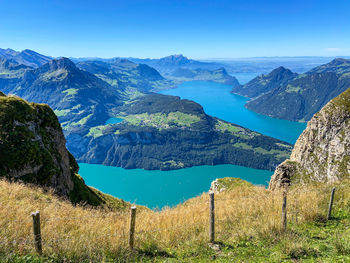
(108, 69)
(86, 95)
(175, 61)
(63, 86)
(122, 73)
(26, 57)
(177, 130)
(265, 83)
(296, 97)
(179, 68)
(175, 68)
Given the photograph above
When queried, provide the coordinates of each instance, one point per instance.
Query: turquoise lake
(217, 101)
(113, 120)
(157, 189)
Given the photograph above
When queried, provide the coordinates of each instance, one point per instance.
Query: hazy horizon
(201, 59)
(198, 29)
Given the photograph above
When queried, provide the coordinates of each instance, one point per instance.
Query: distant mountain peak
(122, 61)
(29, 51)
(337, 65)
(265, 83)
(61, 63)
(175, 57)
(9, 50)
(26, 57)
(175, 60)
(281, 70)
(178, 56)
(222, 69)
(339, 61)
(10, 64)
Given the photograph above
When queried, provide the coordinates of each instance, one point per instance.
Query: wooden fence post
(37, 232)
(284, 212)
(211, 218)
(330, 204)
(132, 227)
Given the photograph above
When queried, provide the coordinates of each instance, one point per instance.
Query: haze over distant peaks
(338, 65)
(265, 83)
(297, 97)
(26, 57)
(60, 63)
(175, 60)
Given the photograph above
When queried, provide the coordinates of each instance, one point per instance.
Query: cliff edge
(33, 150)
(322, 152)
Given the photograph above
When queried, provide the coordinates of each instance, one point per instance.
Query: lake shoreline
(158, 189)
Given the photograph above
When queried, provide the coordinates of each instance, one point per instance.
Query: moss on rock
(32, 150)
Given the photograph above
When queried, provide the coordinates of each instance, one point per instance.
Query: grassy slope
(94, 197)
(248, 228)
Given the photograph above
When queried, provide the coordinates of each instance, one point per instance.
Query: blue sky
(196, 28)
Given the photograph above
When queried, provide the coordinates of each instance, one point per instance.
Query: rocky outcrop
(322, 152)
(33, 150)
(32, 146)
(227, 183)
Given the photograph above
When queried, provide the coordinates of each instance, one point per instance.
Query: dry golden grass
(76, 232)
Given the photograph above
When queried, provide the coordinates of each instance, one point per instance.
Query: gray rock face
(62, 181)
(322, 152)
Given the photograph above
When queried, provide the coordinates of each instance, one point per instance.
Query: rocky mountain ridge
(322, 152)
(265, 83)
(64, 87)
(26, 57)
(127, 75)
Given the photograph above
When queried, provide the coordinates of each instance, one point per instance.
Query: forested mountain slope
(300, 97)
